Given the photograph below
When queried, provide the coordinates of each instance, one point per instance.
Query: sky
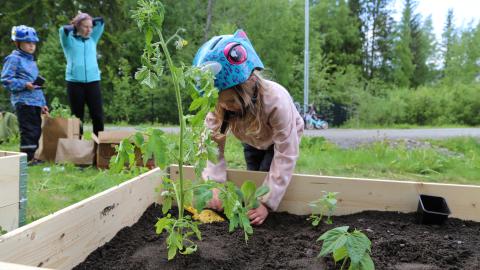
(464, 11)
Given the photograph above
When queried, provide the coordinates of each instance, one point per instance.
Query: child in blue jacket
(18, 76)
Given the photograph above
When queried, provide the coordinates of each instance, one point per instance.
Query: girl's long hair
(252, 113)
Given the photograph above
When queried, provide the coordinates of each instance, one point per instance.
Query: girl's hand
(215, 203)
(258, 215)
(219, 138)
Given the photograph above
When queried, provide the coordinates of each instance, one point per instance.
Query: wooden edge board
(9, 179)
(360, 194)
(12, 266)
(4, 154)
(9, 217)
(66, 237)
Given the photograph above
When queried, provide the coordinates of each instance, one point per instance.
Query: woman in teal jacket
(79, 42)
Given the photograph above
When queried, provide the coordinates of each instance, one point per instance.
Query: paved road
(351, 137)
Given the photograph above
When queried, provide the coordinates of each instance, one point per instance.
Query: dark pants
(80, 94)
(30, 125)
(256, 159)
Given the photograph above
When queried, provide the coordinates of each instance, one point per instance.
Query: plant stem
(176, 85)
(343, 264)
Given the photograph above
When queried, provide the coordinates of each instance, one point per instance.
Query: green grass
(52, 187)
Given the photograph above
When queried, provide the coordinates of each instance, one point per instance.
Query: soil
(287, 241)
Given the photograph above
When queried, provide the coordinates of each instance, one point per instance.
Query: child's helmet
(24, 33)
(231, 58)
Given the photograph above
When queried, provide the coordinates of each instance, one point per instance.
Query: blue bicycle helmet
(24, 33)
(231, 58)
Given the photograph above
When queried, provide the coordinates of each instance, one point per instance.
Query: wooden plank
(9, 216)
(12, 266)
(9, 178)
(359, 194)
(65, 238)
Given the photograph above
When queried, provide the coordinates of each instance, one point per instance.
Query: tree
(448, 39)
(403, 63)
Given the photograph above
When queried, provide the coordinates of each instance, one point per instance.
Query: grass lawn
(52, 187)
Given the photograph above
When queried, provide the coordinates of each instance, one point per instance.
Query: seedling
(237, 202)
(325, 206)
(354, 247)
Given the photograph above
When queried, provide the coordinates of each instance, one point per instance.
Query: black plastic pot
(432, 210)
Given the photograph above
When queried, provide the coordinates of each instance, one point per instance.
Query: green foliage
(237, 202)
(179, 233)
(59, 110)
(8, 127)
(325, 206)
(51, 65)
(427, 105)
(354, 247)
(250, 194)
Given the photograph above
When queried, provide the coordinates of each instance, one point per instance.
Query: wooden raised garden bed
(64, 239)
(13, 189)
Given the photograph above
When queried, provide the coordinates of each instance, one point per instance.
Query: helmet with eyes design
(231, 59)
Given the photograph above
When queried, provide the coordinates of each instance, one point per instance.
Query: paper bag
(78, 152)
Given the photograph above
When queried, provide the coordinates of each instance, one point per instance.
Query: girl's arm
(286, 138)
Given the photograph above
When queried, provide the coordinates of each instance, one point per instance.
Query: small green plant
(59, 110)
(237, 201)
(354, 247)
(325, 206)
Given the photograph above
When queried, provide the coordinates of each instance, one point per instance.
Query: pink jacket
(285, 128)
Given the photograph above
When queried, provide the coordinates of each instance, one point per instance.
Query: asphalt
(353, 137)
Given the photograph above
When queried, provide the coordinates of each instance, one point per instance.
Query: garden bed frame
(13, 189)
(65, 238)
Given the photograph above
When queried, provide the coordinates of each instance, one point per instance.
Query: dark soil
(288, 241)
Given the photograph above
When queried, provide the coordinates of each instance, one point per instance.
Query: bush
(427, 105)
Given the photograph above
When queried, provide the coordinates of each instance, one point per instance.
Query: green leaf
(196, 104)
(357, 246)
(156, 146)
(138, 139)
(148, 35)
(202, 196)
(195, 229)
(248, 191)
(367, 262)
(166, 204)
(189, 250)
(261, 191)
(163, 224)
(334, 233)
(332, 240)
(340, 254)
(172, 251)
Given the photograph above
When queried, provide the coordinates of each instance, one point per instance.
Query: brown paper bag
(52, 130)
(78, 152)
